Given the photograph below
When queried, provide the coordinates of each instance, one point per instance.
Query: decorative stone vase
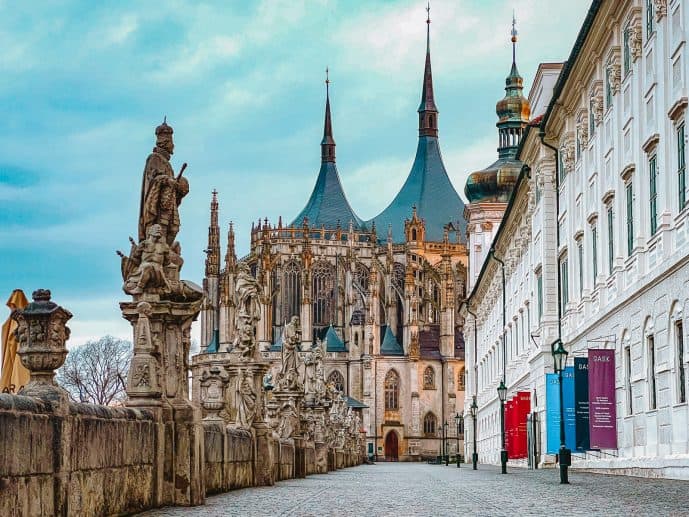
(42, 333)
(213, 385)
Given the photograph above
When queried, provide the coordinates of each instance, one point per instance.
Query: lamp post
(502, 395)
(474, 410)
(564, 454)
(459, 424)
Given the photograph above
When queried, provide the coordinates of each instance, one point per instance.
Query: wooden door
(391, 444)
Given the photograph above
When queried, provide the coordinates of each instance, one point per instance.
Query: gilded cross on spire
(514, 37)
(428, 26)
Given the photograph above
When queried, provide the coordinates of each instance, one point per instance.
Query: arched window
(361, 277)
(291, 291)
(430, 424)
(323, 293)
(356, 339)
(392, 390)
(338, 380)
(429, 378)
(413, 234)
(461, 380)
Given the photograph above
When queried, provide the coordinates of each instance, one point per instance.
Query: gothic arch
(430, 424)
(323, 293)
(392, 390)
(429, 378)
(338, 380)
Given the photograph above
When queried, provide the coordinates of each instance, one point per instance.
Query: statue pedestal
(158, 381)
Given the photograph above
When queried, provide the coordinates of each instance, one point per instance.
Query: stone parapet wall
(229, 457)
(77, 459)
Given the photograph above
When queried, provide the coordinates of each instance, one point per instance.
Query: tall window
(564, 282)
(561, 164)
(323, 294)
(649, 18)
(291, 291)
(580, 251)
(652, 399)
(628, 379)
(430, 424)
(461, 380)
(594, 252)
(539, 288)
(681, 170)
(627, 54)
(611, 240)
(681, 373)
(652, 178)
(429, 378)
(592, 119)
(630, 217)
(392, 390)
(337, 380)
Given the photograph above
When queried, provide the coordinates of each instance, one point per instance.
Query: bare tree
(96, 371)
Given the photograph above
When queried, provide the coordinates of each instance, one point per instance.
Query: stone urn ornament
(42, 333)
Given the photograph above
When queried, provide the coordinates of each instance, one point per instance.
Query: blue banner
(552, 410)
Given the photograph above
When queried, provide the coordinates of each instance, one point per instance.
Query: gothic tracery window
(430, 424)
(338, 380)
(429, 378)
(392, 390)
(361, 277)
(323, 278)
(291, 291)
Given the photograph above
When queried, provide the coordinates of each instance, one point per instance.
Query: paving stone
(406, 489)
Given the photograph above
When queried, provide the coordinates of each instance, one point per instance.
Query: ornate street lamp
(447, 452)
(564, 454)
(502, 395)
(459, 424)
(474, 410)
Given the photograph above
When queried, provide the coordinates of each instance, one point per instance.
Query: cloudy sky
(84, 84)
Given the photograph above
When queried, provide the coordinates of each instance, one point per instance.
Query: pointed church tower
(489, 190)
(211, 287)
(328, 206)
(428, 187)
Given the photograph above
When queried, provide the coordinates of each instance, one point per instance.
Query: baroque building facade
(381, 296)
(594, 243)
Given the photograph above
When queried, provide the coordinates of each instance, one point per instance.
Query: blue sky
(85, 83)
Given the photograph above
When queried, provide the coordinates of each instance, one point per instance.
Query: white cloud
(120, 32)
(200, 56)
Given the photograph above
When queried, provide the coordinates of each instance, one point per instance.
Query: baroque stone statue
(245, 399)
(289, 375)
(161, 192)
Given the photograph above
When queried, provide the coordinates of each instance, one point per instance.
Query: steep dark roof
(428, 187)
(390, 345)
(354, 403)
(333, 343)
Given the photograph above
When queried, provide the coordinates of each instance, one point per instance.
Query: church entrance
(391, 446)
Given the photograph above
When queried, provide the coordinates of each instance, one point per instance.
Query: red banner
(523, 400)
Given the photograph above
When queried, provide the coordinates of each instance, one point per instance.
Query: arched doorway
(391, 447)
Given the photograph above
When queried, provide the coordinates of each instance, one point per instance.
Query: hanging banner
(602, 404)
(508, 428)
(552, 413)
(570, 409)
(581, 402)
(524, 408)
(552, 408)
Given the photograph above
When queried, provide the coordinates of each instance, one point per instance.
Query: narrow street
(405, 489)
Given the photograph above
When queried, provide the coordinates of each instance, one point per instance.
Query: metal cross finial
(215, 192)
(428, 11)
(514, 27)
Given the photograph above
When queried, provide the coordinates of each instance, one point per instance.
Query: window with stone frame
(323, 292)
(627, 56)
(628, 378)
(430, 424)
(337, 380)
(681, 167)
(650, 27)
(564, 281)
(652, 383)
(461, 379)
(679, 361)
(629, 197)
(392, 391)
(429, 378)
(611, 236)
(291, 291)
(653, 192)
(361, 277)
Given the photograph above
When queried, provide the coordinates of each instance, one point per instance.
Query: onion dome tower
(495, 182)
(328, 206)
(428, 187)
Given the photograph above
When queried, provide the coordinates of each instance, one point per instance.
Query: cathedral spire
(230, 256)
(328, 142)
(213, 250)
(428, 113)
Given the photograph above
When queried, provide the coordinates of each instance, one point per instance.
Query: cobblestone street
(418, 489)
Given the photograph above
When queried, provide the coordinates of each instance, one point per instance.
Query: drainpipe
(503, 450)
